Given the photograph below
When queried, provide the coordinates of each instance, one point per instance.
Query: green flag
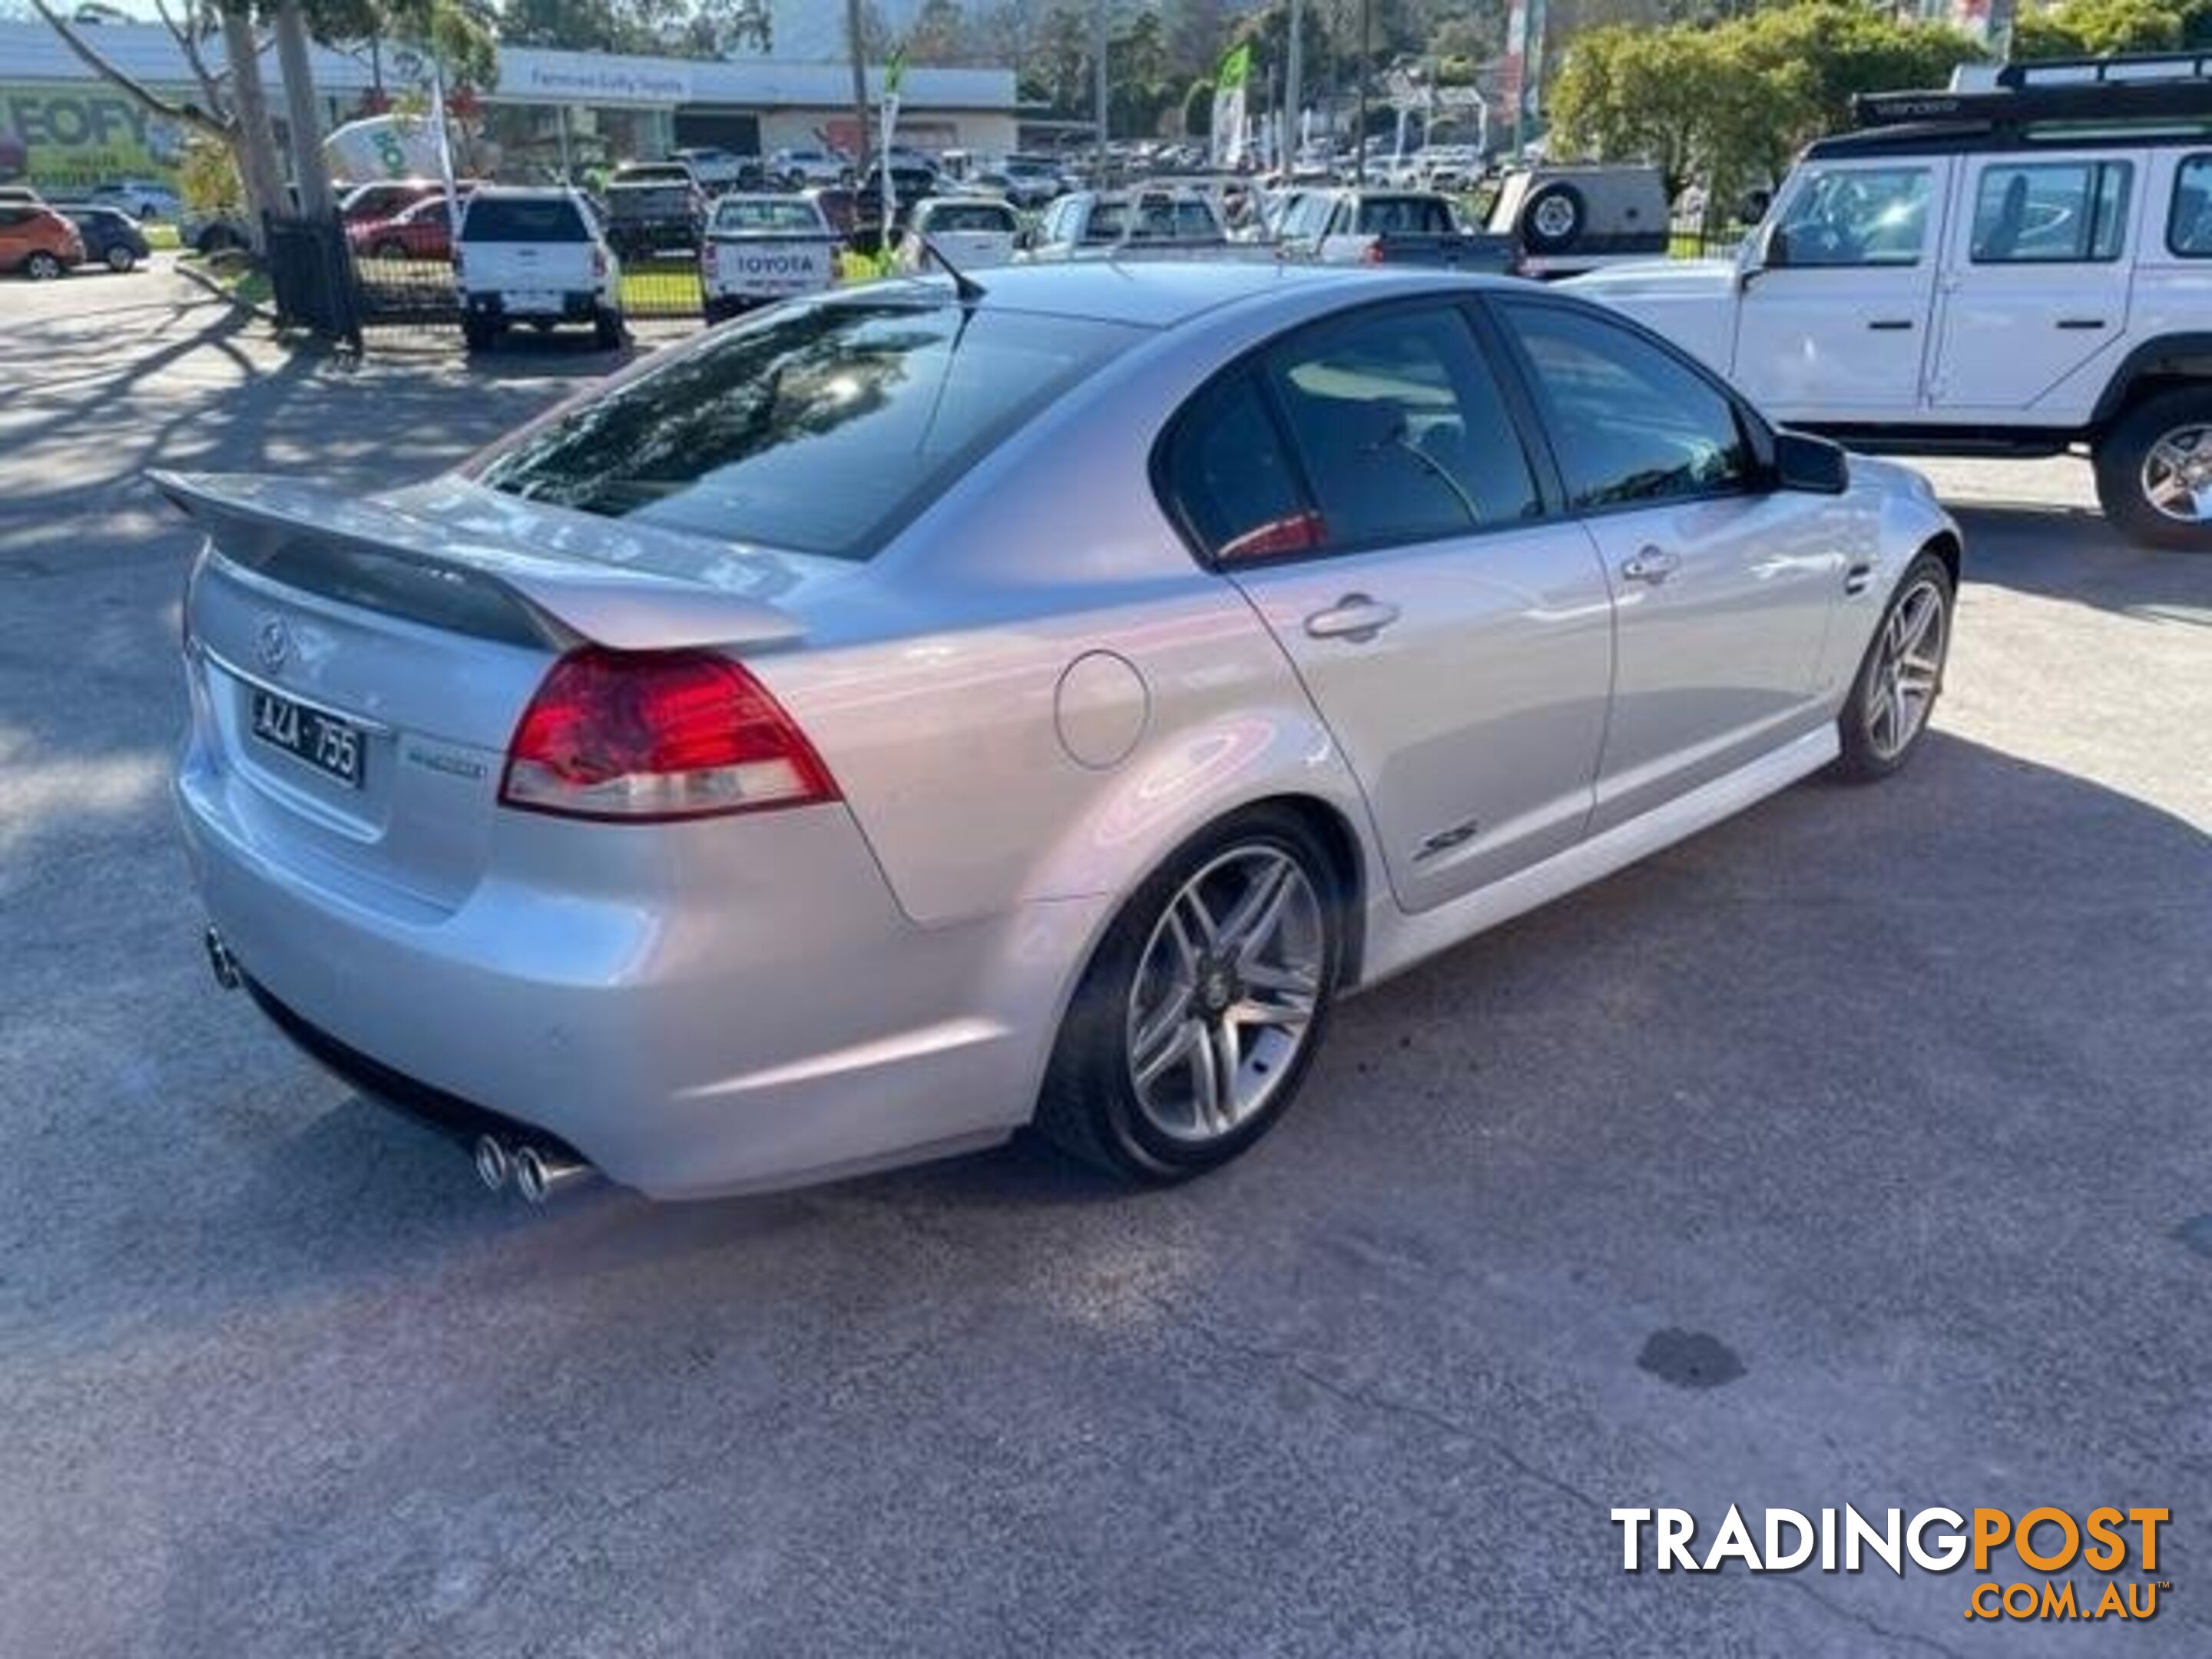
(895, 71)
(1236, 65)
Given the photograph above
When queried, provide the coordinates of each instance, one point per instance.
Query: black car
(111, 237)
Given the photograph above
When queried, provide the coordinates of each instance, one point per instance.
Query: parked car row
(42, 240)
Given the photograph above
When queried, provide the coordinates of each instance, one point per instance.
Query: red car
(386, 199)
(424, 231)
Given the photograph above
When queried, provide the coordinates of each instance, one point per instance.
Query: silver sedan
(911, 714)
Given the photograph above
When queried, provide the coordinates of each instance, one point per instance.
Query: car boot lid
(635, 588)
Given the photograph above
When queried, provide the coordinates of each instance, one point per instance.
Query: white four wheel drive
(537, 257)
(2019, 269)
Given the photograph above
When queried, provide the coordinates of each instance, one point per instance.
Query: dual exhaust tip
(538, 1174)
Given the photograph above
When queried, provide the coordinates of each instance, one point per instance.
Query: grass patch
(162, 239)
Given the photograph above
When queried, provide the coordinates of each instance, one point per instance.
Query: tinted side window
(1401, 429)
(1228, 478)
(1629, 422)
(1854, 216)
(2058, 212)
(2189, 221)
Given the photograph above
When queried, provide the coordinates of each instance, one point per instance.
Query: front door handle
(1886, 324)
(2081, 322)
(1355, 616)
(1652, 565)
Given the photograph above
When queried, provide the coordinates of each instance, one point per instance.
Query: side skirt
(1397, 941)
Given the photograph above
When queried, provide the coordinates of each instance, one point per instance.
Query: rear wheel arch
(2167, 363)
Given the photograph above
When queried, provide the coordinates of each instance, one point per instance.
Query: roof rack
(2149, 87)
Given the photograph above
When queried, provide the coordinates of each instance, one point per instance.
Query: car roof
(1160, 294)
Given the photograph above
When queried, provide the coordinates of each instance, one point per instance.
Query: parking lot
(1853, 1152)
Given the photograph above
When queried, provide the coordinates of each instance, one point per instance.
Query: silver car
(920, 712)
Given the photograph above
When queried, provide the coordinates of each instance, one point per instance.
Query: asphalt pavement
(1853, 1152)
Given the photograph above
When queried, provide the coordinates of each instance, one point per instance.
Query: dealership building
(62, 128)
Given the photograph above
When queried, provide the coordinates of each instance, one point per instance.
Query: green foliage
(207, 177)
(1732, 102)
(2075, 28)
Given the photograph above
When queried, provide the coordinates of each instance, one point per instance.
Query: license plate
(323, 741)
(533, 300)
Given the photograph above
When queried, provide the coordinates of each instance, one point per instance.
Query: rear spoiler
(409, 563)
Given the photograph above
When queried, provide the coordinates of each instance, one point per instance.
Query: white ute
(760, 249)
(535, 257)
(2021, 267)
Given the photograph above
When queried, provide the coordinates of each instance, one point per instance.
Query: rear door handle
(1355, 616)
(1885, 323)
(1652, 565)
(2081, 322)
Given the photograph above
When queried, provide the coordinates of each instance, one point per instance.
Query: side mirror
(1812, 465)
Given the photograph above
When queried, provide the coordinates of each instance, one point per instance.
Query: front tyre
(1887, 712)
(1192, 1028)
(2155, 472)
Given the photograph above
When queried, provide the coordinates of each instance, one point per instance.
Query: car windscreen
(777, 214)
(818, 428)
(523, 219)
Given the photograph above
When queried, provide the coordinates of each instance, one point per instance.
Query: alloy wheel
(1225, 993)
(1907, 668)
(2177, 475)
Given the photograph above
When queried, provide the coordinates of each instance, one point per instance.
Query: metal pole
(860, 50)
(1294, 91)
(1359, 120)
(1098, 83)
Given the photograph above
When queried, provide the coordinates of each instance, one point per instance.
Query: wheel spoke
(1194, 906)
(1253, 1012)
(1257, 912)
(1267, 976)
(1225, 1055)
(1154, 1036)
(1182, 1039)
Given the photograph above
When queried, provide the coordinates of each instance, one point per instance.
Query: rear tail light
(647, 736)
(1372, 253)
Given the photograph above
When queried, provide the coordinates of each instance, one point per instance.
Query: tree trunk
(301, 117)
(253, 140)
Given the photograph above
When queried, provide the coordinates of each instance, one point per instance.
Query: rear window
(786, 213)
(819, 429)
(1404, 215)
(971, 216)
(523, 219)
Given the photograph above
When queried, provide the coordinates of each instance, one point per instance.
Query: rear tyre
(477, 336)
(1887, 714)
(1193, 1026)
(42, 267)
(120, 259)
(607, 330)
(1553, 218)
(2155, 472)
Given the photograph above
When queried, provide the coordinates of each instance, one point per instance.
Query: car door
(1723, 586)
(2035, 282)
(1365, 485)
(1832, 320)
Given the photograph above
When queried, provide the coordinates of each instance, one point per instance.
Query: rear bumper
(741, 1007)
(576, 307)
